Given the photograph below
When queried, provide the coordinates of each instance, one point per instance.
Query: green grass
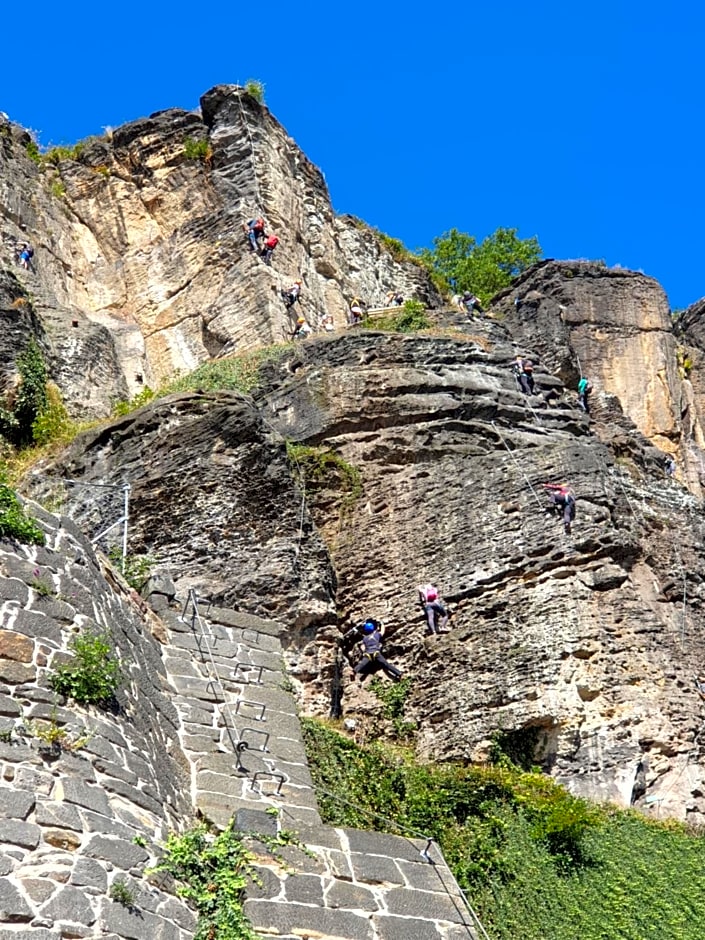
(537, 863)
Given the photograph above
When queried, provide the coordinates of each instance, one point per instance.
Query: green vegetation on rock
(255, 89)
(212, 872)
(410, 319)
(484, 269)
(197, 149)
(537, 863)
(92, 675)
(14, 521)
(321, 468)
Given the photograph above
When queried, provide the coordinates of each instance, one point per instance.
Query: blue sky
(579, 123)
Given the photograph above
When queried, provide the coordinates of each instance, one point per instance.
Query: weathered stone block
(80, 793)
(405, 928)
(256, 820)
(129, 923)
(425, 904)
(38, 626)
(274, 916)
(87, 873)
(70, 904)
(427, 877)
(24, 834)
(15, 804)
(351, 897)
(12, 589)
(16, 673)
(39, 889)
(62, 839)
(123, 854)
(9, 706)
(16, 647)
(13, 907)
(304, 889)
(375, 869)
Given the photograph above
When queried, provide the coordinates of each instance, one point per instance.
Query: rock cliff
(143, 249)
(583, 646)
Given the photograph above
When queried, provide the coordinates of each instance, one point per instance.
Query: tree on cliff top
(483, 269)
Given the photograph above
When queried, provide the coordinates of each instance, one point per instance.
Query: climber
(291, 294)
(268, 248)
(471, 302)
(302, 329)
(670, 467)
(394, 299)
(25, 257)
(436, 612)
(255, 232)
(327, 323)
(700, 686)
(523, 370)
(584, 389)
(357, 311)
(562, 495)
(371, 648)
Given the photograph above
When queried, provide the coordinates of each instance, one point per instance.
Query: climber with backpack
(563, 497)
(255, 232)
(268, 247)
(291, 294)
(436, 612)
(370, 646)
(584, 389)
(302, 329)
(523, 370)
(471, 302)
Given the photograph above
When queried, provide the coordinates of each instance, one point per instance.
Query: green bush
(33, 152)
(32, 398)
(410, 319)
(14, 521)
(197, 149)
(125, 407)
(255, 89)
(53, 423)
(120, 893)
(538, 863)
(92, 676)
(212, 872)
(138, 568)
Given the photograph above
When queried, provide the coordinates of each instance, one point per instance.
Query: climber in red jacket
(562, 495)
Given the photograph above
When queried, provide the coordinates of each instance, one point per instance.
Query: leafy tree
(485, 268)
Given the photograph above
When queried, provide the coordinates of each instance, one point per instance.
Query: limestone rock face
(581, 643)
(212, 502)
(614, 326)
(580, 640)
(143, 249)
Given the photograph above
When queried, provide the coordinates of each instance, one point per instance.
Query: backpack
(528, 365)
(430, 593)
(272, 241)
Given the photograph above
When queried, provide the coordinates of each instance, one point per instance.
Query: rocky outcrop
(615, 327)
(582, 643)
(141, 265)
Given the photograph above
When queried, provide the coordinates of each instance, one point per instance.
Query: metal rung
(267, 773)
(264, 734)
(244, 668)
(260, 717)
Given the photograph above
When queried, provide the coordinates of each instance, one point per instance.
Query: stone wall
(77, 821)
